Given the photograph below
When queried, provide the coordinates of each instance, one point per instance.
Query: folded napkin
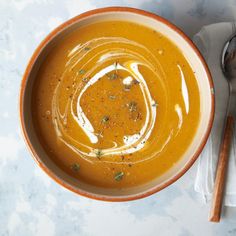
(210, 41)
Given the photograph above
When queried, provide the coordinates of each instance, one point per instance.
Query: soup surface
(115, 104)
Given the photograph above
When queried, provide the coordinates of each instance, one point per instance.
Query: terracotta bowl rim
(29, 67)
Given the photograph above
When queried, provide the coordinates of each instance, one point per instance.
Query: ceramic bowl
(190, 52)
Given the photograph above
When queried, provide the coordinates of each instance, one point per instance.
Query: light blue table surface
(30, 202)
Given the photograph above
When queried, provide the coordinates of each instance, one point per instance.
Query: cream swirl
(103, 60)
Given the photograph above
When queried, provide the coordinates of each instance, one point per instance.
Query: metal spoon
(229, 69)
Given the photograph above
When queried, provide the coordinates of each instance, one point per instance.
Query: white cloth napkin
(211, 40)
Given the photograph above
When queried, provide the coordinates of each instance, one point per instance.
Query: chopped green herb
(136, 81)
(105, 119)
(112, 97)
(127, 87)
(119, 175)
(155, 104)
(112, 76)
(75, 167)
(132, 106)
(98, 153)
(85, 79)
(87, 48)
(82, 71)
(115, 64)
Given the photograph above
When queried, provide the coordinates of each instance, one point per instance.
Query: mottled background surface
(30, 202)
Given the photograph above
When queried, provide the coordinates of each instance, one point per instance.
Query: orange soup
(115, 104)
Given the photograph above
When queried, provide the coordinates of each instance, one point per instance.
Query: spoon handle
(221, 171)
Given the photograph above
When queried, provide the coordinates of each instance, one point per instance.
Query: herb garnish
(98, 153)
(136, 81)
(116, 64)
(112, 97)
(155, 104)
(82, 71)
(118, 176)
(85, 79)
(132, 106)
(75, 167)
(127, 87)
(87, 48)
(105, 119)
(112, 76)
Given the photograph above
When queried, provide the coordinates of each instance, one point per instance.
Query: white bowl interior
(205, 101)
